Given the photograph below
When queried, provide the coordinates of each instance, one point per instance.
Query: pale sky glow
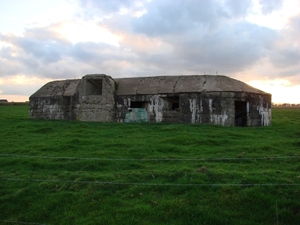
(77, 32)
(255, 41)
(282, 89)
(276, 19)
(19, 15)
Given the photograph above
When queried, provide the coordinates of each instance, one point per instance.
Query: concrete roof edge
(48, 87)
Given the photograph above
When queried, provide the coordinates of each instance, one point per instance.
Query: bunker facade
(172, 99)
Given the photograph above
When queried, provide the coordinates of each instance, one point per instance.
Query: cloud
(293, 29)
(20, 84)
(290, 72)
(90, 52)
(237, 8)
(171, 37)
(185, 36)
(102, 9)
(37, 47)
(231, 48)
(158, 37)
(286, 57)
(286, 52)
(207, 36)
(174, 17)
(106, 6)
(268, 6)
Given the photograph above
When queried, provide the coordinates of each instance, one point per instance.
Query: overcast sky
(255, 41)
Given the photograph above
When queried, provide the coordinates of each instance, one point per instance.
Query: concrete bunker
(172, 99)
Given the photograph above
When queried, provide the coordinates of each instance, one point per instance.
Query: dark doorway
(240, 113)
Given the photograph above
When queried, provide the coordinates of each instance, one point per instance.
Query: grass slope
(62, 172)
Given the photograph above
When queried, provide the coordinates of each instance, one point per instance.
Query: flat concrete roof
(181, 84)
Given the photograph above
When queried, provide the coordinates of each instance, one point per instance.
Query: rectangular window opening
(138, 104)
(94, 87)
(175, 105)
(172, 103)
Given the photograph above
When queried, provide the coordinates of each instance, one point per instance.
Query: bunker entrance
(240, 113)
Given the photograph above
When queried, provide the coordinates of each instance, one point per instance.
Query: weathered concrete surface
(183, 99)
(54, 100)
(200, 99)
(181, 84)
(96, 105)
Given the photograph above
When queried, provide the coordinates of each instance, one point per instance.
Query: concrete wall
(192, 108)
(259, 109)
(55, 100)
(158, 107)
(93, 104)
(88, 99)
(211, 108)
(54, 108)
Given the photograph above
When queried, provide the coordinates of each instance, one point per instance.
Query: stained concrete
(175, 99)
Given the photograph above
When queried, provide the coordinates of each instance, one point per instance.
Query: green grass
(66, 172)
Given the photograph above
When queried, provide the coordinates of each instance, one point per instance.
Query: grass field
(63, 172)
